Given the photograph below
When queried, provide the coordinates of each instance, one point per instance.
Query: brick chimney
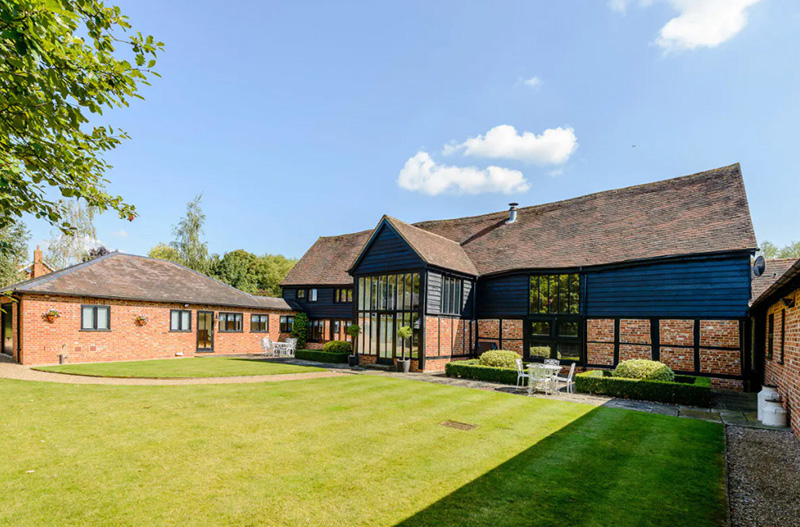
(38, 269)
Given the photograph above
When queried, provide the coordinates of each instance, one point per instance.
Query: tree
(16, 237)
(97, 252)
(772, 251)
(72, 247)
(270, 271)
(192, 251)
(162, 251)
(59, 65)
(237, 268)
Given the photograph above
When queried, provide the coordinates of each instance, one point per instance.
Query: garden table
(551, 370)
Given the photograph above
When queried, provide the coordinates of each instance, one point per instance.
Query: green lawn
(347, 451)
(179, 368)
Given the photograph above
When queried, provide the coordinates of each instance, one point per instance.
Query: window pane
(416, 326)
(563, 297)
(175, 320)
(540, 328)
(186, 320)
(569, 351)
(373, 341)
(552, 295)
(415, 293)
(88, 317)
(102, 318)
(568, 329)
(575, 293)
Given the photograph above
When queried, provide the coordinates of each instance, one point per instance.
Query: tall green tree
(772, 251)
(162, 251)
(16, 237)
(192, 250)
(270, 270)
(59, 66)
(237, 268)
(73, 246)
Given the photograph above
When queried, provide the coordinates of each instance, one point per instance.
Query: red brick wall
(635, 339)
(43, 342)
(600, 338)
(431, 337)
(786, 376)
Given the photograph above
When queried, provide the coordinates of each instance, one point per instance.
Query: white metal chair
(569, 380)
(268, 347)
(539, 379)
(521, 375)
(291, 346)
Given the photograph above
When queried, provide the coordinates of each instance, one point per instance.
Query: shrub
(499, 359)
(540, 351)
(644, 369)
(300, 329)
(693, 391)
(321, 356)
(471, 369)
(337, 346)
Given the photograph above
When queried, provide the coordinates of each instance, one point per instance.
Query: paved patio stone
(696, 413)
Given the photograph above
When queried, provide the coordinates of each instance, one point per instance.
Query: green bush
(471, 369)
(540, 351)
(337, 346)
(321, 356)
(499, 359)
(693, 391)
(300, 329)
(644, 369)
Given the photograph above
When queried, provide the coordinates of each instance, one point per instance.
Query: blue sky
(296, 119)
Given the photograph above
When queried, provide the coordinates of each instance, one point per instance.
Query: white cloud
(122, 233)
(700, 23)
(533, 82)
(703, 23)
(422, 174)
(553, 146)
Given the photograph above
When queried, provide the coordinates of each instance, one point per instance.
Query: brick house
(658, 271)
(776, 331)
(126, 307)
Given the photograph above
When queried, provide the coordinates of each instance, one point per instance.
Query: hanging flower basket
(51, 315)
(141, 320)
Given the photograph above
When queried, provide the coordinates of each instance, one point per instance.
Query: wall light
(788, 301)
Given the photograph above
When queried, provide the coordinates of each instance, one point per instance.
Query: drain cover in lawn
(458, 426)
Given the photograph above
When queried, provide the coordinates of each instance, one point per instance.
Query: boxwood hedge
(321, 356)
(470, 369)
(693, 391)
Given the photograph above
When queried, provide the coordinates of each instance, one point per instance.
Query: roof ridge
(59, 273)
(593, 195)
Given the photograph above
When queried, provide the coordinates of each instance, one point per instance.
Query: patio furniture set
(278, 349)
(544, 376)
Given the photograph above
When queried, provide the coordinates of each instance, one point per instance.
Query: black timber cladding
(387, 252)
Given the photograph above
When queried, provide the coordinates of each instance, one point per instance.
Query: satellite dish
(759, 266)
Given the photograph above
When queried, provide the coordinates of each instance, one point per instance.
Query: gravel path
(763, 478)
(23, 373)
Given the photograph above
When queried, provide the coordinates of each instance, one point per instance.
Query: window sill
(180, 330)
(251, 331)
(229, 331)
(96, 330)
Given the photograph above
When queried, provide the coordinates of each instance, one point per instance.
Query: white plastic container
(767, 393)
(774, 414)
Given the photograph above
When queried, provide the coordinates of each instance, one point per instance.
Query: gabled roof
(327, 261)
(704, 213)
(130, 277)
(430, 247)
(776, 273)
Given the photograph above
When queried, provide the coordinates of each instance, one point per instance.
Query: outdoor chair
(521, 375)
(291, 345)
(268, 347)
(568, 381)
(540, 379)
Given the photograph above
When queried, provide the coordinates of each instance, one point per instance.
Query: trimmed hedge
(470, 369)
(692, 391)
(321, 356)
(649, 370)
(499, 359)
(337, 346)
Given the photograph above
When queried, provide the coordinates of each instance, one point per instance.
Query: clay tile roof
(703, 213)
(433, 248)
(327, 261)
(130, 277)
(775, 270)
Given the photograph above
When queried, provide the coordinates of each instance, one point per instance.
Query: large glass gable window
(384, 304)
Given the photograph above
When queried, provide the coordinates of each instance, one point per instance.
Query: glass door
(7, 332)
(386, 338)
(205, 331)
(554, 337)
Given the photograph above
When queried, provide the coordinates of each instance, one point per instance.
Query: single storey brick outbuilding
(126, 307)
(658, 271)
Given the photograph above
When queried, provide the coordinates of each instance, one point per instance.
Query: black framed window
(259, 323)
(230, 322)
(315, 330)
(301, 294)
(286, 324)
(783, 335)
(771, 336)
(95, 318)
(180, 320)
(342, 296)
(385, 303)
(555, 337)
(555, 294)
(336, 328)
(451, 301)
(312, 295)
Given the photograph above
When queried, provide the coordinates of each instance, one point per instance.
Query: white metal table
(551, 369)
